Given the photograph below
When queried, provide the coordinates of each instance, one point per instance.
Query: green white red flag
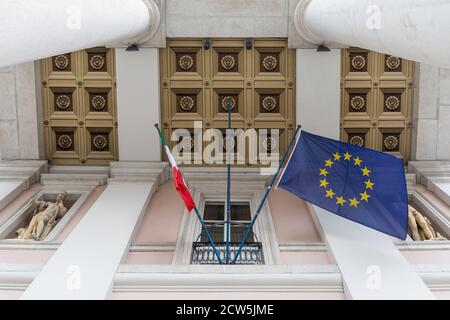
(178, 180)
(179, 183)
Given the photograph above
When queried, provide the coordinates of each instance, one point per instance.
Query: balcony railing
(251, 254)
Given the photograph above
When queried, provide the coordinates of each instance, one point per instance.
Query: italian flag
(178, 180)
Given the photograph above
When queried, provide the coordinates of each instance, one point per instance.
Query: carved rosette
(98, 103)
(269, 144)
(61, 62)
(393, 63)
(65, 141)
(100, 142)
(186, 103)
(228, 101)
(228, 143)
(270, 63)
(187, 143)
(392, 103)
(269, 103)
(63, 102)
(228, 62)
(357, 103)
(97, 62)
(186, 62)
(390, 143)
(357, 141)
(358, 62)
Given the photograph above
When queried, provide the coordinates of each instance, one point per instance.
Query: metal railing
(252, 253)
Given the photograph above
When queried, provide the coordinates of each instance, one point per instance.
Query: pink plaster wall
(149, 258)
(292, 219)
(81, 212)
(10, 294)
(442, 295)
(18, 202)
(163, 217)
(302, 258)
(427, 257)
(25, 256)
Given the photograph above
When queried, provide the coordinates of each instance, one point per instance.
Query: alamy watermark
(227, 146)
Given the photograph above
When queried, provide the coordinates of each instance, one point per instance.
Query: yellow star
(354, 203)
(328, 163)
(340, 201)
(365, 171)
(369, 184)
(358, 161)
(347, 156)
(364, 196)
(323, 172)
(337, 156)
(330, 193)
(324, 183)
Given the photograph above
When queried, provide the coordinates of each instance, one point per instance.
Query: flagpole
(199, 216)
(227, 143)
(266, 195)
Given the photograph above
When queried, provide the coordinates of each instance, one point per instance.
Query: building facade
(82, 123)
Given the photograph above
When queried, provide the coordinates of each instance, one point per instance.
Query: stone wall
(431, 118)
(230, 18)
(19, 134)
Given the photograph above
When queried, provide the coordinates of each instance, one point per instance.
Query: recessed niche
(22, 218)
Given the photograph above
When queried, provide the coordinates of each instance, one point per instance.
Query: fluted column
(411, 29)
(31, 30)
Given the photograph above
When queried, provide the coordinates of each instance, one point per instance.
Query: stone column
(411, 29)
(138, 100)
(32, 30)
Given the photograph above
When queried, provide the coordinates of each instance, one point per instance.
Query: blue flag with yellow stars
(356, 183)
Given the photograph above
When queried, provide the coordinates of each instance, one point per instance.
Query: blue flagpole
(266, 195)
(208, 235)
(227, 144)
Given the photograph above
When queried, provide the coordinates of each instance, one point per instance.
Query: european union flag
(359, 184)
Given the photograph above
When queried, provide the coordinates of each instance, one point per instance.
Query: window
(215, 218)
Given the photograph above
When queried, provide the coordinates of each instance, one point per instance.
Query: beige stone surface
(443, 148)
(19, 137)
(27, 111)
(237, 18)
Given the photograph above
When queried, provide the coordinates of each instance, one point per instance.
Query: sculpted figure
(420, 227)
(45, 216)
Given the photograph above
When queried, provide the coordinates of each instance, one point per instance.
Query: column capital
(300, 36)
(155, 34)
(155, 21)
(299, 23)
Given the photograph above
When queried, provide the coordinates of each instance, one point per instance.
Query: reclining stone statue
(45, 217)
(420, 227)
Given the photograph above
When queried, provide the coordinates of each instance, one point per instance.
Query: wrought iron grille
(203, 253)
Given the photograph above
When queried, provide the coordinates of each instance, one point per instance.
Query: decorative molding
(200, 278)
(303, 247)
(69, 181)
(140, 171)
(432, 174)
(19, 169)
